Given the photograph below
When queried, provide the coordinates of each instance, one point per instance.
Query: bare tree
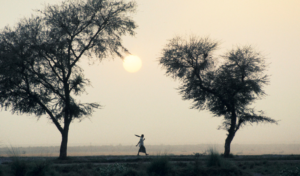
(225, 86)
(39, 71)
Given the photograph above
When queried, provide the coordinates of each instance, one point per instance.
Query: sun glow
(132, 63)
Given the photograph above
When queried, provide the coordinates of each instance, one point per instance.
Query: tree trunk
(65, 132)
(228, 141)
(64, 144)
(230, 136)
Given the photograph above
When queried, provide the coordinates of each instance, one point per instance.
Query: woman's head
(142, 135)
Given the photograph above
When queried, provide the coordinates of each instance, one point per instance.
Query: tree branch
(85, 48)
(46, 83)
(27, 90)
(52, 68)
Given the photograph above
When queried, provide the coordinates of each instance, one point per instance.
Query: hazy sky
(147, 101)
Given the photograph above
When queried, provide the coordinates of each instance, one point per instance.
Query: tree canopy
(39, 71)
(226, 86)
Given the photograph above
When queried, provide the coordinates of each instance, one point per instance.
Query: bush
(214, 159)
(159, 166)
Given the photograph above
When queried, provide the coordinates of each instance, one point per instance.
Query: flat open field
(236, 149)
(175, 160)
(197, 164)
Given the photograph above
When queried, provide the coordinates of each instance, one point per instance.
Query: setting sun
(132, 63)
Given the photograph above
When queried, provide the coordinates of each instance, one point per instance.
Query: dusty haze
(147, 102)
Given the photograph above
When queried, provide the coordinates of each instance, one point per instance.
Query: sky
(147, 102)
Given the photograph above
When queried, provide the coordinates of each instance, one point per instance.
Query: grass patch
(223, 171)
(112, 169)
(295, 171)
(19, 168)
(217, 165)
(192, 165)
(132, 172)
(41, 168)
(214, 159)
(160, 166)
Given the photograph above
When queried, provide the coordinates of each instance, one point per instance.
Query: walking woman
(142, 147)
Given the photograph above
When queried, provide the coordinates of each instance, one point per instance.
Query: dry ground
(91, 165)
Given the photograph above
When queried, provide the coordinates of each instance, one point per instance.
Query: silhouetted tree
(225, 86)
(39, 71)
